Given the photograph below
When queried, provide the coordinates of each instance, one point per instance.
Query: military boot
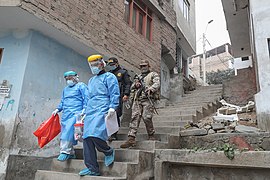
(129, 143)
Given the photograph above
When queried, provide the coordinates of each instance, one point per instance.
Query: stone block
(193, 132)
(231, 111)
(246, 129)
(211, 131)
(217, 126)
(222, 110)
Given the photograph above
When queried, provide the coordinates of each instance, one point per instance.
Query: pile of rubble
(228, 119)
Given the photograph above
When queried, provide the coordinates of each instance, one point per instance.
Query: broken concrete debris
(229, 118)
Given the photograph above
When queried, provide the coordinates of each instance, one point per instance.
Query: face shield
(96, 66)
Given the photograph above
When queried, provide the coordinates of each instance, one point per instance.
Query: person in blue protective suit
(73, 104)
(103, 101)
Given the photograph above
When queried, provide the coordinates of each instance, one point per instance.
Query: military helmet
(144, 63)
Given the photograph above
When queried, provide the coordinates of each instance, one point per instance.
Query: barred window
(139, 17)
(184, 6)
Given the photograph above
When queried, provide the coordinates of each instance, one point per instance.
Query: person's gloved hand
(138, 84)
(125, 98)
(110, 112)
(55, 112)
(149, 91)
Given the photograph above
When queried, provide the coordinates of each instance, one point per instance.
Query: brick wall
(240, 89)
(100, 24)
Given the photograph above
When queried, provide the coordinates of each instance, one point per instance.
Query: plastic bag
(48, 130)
(78, 128)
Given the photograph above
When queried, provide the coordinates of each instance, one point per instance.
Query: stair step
(143, 137)
(188, 105)
(175, 108)
(188, 102)
(173, 118)
(168, 112)
(164, 129)
(141, 145)
(181, 123)
(53, 175)
(121, 155)
(117, 169)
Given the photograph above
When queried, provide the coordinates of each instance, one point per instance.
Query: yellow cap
(94, 57)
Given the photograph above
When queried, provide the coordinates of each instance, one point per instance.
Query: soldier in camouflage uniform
(146, 85)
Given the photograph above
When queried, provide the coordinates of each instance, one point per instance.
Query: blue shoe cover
(88, 172)
(63, 157)
(72, 156)
(109, 159)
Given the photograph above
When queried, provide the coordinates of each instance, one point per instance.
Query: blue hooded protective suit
(103, 94)
(74, 100)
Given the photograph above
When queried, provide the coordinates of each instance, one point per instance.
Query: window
(1, 54)
(246, 58)
(139, 17)
(184, 6)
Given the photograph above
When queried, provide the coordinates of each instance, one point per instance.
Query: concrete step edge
(64, 176)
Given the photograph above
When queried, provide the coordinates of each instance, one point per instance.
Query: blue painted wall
(16, 46)
(42, 88)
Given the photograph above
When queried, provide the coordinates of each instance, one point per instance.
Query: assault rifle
(142, 89)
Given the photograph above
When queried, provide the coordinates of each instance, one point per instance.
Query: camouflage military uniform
(142, 108)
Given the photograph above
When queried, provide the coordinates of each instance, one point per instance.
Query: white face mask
(95, 70)
(95, 66)
(70, 83)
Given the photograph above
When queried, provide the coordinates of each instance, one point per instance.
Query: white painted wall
(239, 64)
(165, 80)
(260, 17)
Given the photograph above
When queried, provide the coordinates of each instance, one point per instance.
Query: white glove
(110, 112)
(83, 112)
(55, 112)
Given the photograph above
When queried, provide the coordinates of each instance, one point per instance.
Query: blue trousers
(90, 144)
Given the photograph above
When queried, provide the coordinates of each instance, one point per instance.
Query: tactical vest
(148, 82)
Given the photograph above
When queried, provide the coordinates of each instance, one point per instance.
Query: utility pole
(204, 53)
(204, 60)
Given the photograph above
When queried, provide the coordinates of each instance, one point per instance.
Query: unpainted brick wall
(240, 89)
(100, 24)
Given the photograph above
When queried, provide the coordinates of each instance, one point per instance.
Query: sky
(216, 32)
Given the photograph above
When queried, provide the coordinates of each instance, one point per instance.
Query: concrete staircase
(138, 162)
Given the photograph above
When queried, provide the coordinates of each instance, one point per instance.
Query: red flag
(48, 130)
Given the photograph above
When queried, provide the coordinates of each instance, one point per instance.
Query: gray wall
(187, 28)
(260, 16)
(180, 172)
(164, 80)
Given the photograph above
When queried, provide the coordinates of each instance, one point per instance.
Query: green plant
(219, 76)
(228, 151)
